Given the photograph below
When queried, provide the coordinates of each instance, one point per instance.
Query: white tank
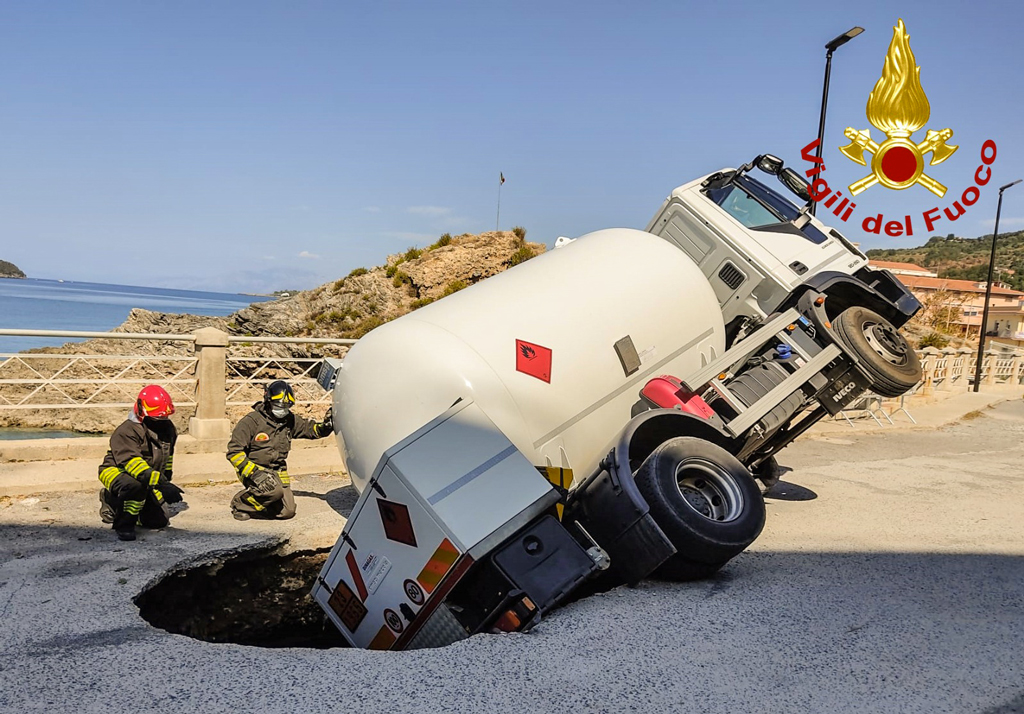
(577, 301)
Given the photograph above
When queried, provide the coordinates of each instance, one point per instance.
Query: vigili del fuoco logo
(898, 107)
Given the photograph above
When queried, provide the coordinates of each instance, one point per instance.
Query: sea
(96, 307)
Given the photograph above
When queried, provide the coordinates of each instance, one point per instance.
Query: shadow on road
(786, 491)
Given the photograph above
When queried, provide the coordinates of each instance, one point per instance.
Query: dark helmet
(279, 394)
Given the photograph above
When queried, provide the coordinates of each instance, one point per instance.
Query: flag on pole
(502, 178)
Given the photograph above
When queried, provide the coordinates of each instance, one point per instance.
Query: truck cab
(760, 251)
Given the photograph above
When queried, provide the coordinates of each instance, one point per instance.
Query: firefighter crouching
(136, 472)
(259, 449)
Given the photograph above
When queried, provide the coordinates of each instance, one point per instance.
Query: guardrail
(206, 375)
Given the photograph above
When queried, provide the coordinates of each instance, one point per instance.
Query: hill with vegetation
(964, 258)
(10, 270)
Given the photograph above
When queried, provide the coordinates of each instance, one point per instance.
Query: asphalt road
(890, 578)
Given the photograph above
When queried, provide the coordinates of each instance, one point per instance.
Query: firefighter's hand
(172, 494)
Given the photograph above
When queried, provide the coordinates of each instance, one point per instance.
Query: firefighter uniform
(261, 442)
(137, 465)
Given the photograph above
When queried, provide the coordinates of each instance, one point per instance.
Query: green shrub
(413, 253)
(391, 270)
(400, 277)
(521, 256)
(365, 326)
(454, 287)
(356, 272)
(520, 234)
(444, 240)
(339, 284)
(934, 339)
(417, 304)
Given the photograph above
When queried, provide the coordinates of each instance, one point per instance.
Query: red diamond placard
(533, 360)
(397, 523)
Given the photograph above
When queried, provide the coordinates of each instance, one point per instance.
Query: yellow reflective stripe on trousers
(158, 494)
(133, 507)
(255, 504)
(285, 478)
(108, 475)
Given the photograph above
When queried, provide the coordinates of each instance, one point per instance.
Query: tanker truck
(600, 414)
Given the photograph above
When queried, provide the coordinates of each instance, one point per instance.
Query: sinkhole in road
(258, 597)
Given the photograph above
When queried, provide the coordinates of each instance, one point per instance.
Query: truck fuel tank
(553, 351)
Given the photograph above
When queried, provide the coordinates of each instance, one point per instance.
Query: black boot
(107, 511)
(126, 533)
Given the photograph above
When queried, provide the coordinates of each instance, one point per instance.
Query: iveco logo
(844, 391)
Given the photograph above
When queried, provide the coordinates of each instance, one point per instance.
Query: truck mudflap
(446, 542)
(609, 505)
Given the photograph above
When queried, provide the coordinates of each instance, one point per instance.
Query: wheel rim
(709, 490)
(887, 342)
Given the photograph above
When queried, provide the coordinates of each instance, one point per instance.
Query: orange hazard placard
(438, 566)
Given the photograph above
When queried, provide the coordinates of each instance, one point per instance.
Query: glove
(327, 425)
(261, 482)
(172, 494)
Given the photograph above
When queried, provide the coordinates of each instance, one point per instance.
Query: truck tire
(704, 500)
(884, 354)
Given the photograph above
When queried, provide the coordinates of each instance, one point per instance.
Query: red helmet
(154, 402)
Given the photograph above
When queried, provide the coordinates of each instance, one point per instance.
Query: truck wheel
(704, 500)
(884, 353)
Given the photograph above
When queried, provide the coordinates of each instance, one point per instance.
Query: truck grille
(731, 275)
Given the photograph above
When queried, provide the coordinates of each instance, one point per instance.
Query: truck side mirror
(769, 164)
(795, 183)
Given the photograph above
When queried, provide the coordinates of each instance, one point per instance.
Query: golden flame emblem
(898, 107)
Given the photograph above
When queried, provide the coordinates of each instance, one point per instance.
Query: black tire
(884, 353)
(722, 511)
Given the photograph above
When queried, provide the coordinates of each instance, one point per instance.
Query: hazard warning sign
(349, 609)
(533, 360)
(397, 523)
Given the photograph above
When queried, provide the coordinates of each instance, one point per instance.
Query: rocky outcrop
(10, 270)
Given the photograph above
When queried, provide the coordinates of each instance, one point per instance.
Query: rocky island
(10, 270)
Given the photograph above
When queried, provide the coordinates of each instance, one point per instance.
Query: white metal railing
(52, 381)
(248, 376)
(200, 370)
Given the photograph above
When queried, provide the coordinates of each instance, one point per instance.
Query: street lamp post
(988, 286)
(831, 47)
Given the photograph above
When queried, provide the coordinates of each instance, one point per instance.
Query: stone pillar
(989, 372)
(1015, 373)
(211, 421)
(929, 356)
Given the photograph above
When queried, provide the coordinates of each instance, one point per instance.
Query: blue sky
(258, 145)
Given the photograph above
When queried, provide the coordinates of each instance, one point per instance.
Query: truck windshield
(756, 206)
